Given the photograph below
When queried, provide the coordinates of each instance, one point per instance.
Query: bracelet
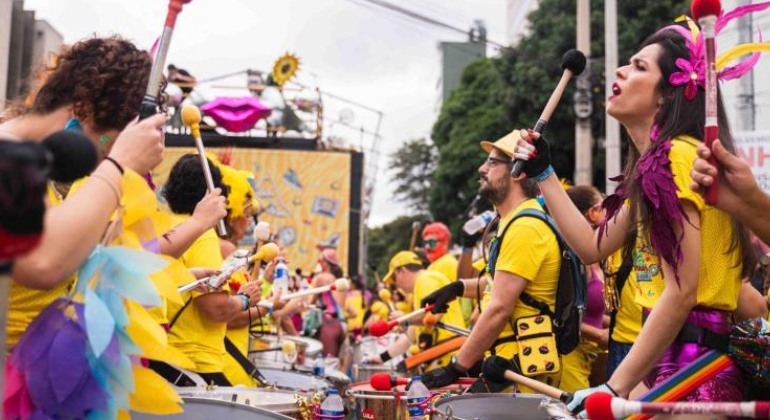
(385, 356)
(245, 300)
(545, 174)
(106, 181)
(117, 165)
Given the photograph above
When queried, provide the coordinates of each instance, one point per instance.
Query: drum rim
(310, 391)
(240, 405)
(442, 415)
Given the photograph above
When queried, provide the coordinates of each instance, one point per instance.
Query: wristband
(245, 300)
(611, 390)
(546, 173)
(385, 356)
(117, 165)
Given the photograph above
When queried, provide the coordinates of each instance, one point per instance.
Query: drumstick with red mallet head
(706, 13)
(387, 381)
(380, 328)
(149, 105)
(573, 63)
(498, 369)
(603, 406)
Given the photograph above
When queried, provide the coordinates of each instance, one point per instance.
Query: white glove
(576, 406)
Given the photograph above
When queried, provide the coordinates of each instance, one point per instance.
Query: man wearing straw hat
(524, 264)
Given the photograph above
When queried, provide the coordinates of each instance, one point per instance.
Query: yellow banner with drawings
(305, 196)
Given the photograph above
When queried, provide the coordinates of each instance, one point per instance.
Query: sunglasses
(431, 243)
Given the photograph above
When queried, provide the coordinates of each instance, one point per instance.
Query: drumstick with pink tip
(149, 106)
(603, 406)
(380, 328)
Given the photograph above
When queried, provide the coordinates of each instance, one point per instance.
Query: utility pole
(583, 103)
(746, 106)
(612, 150)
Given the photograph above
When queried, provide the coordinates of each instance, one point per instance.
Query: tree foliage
(412, 166)
(385, 241)
(507, 92)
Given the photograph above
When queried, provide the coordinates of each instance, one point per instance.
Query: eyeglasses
(492, 161)
(431, 243)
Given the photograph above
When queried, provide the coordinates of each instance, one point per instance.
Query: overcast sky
(352, 49)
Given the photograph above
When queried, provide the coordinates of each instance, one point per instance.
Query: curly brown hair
(103, 79)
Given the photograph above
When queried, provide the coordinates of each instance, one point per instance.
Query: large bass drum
(208, 409)
(490, 407)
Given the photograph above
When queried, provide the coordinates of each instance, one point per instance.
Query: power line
(420, 17)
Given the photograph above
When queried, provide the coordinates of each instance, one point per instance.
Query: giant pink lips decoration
(236, 114)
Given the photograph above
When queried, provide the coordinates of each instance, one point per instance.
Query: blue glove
(576, 406)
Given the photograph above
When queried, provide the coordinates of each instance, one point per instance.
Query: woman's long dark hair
(679, 116)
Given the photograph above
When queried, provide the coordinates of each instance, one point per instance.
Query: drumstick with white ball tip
(261, 236)
(339, 285)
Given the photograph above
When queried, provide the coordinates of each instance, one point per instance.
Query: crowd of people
(666, 275)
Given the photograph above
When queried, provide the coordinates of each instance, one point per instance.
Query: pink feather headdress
(654, 168)
(693, 70)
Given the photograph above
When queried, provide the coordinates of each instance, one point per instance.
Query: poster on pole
(754, 148)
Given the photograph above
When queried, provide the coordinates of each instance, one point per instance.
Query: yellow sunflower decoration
(285, 68)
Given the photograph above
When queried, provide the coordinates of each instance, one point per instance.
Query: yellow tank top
(719, 275)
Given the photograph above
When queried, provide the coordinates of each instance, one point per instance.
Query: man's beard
(495, 192)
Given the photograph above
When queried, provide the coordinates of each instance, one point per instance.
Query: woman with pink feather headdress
(689, 258)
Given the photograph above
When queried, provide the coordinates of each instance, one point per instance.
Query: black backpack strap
(178, 314)
(621, 276)
(244, 362)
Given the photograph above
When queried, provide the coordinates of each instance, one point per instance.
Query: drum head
(206, 409)
(491, 407)
(272, 400)
(294, 381)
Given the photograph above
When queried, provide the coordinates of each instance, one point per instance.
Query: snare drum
(275, 401)
(490, 407)
(373, 345)
(290, 380)
(386, 405)
(207, 409)
(307, 349)
(339, 380)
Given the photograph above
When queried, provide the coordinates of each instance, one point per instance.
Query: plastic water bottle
(417, 398)
(478, 222)
(319, 366)
(281, 280)
(332, 405)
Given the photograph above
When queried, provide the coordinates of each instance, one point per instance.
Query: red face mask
(438, 251)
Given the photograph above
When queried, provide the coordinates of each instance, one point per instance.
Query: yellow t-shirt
(628, 321)
(381, 310)
(426, 283)
(356, 301)
(719, 275)
(529, 250)
(240, 338)
(24, 303)
(199, 338)
(446, 265)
